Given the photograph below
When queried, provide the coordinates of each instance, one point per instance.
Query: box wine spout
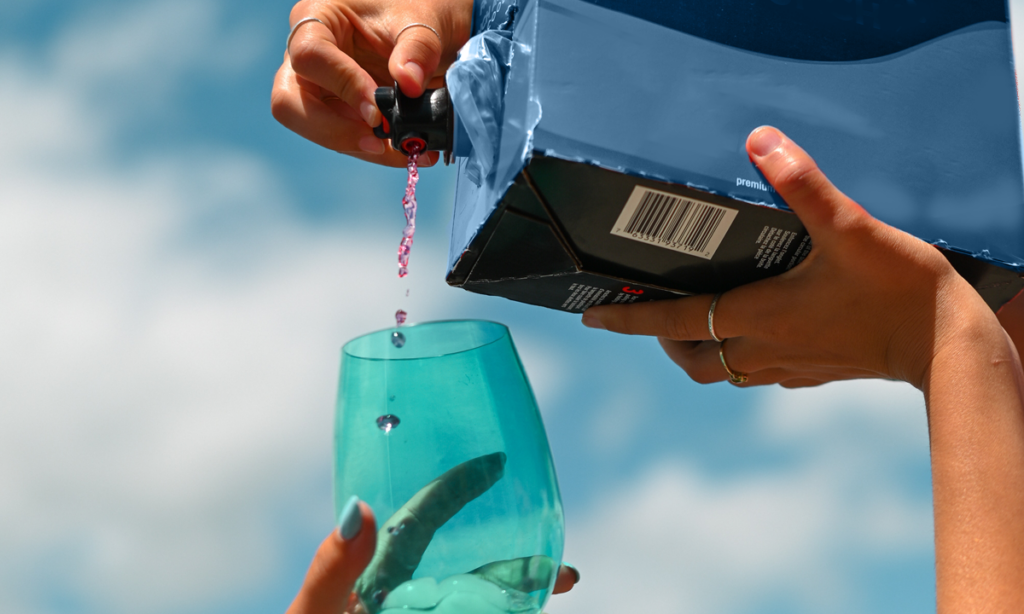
(426, 122)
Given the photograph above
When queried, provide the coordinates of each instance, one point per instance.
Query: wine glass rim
(349, 348)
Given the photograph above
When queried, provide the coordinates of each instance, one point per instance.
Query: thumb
(415, 57)
(338, 563)
(820, 205)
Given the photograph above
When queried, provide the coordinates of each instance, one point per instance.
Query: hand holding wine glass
(331, 584)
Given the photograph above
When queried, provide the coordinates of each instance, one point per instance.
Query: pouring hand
(324, 90)
(869, 300)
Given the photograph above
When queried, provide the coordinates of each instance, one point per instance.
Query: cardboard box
(603, 141)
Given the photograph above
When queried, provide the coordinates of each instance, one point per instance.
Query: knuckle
(349, 87)
(280, 106)
(796, 173)
(299, 10)
(305, 54)
(678, 328)
(423, 47)
(615, 320)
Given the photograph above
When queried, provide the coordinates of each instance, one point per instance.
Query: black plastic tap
(426, 122)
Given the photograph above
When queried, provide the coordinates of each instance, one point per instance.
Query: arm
(976, 427)
(871, 301)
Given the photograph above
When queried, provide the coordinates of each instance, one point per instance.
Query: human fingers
(417, 53)
(568, 577)
(822, 208)
(426, 37)
(301, 107)
(684, 319)
(315, 54)
(702, 361)
(801, 382)
(339, 560)
(690, 318)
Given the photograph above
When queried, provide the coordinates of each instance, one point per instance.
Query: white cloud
(156, 400)
(169, 337)
(164, 393)
(680, 540)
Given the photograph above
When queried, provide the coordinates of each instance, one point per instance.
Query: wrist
(955, 325)
(968, 336)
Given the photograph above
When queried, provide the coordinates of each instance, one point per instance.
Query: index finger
(684, 319)
(315, 55)
(338, 562)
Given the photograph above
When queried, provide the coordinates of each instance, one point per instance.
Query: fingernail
(575, 571)
(415, 71)
(369, 112)
(764, 140)
(371, 144)
(592, 322)
(350, 520)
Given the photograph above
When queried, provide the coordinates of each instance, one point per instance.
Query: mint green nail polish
(350, 520)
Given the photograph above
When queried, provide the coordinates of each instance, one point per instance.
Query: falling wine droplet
(400, 317)
(397, 339)
(388, 422)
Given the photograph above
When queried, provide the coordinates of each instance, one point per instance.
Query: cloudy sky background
(177, 275)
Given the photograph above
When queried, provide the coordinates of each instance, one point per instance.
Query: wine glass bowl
(437, 429)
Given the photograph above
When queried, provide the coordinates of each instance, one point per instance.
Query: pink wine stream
(409, 205)
(409, 232)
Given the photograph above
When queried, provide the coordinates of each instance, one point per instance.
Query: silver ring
(421, 25)
(295, 28)
(711, 317)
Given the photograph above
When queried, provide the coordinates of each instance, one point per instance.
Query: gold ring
(711, 319)
(735, 377)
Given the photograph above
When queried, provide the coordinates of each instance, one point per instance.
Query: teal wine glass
(438, 430)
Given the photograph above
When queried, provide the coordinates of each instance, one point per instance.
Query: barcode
(671, 221)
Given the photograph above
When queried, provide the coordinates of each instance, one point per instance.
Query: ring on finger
(711, 318)
(418, 25)
(295, 29)
(735, 377)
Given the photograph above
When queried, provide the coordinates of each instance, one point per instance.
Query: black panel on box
(551, 243)
(587, 201)
(521, 246)
(574, 292)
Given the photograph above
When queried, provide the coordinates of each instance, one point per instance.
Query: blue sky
(179, 273)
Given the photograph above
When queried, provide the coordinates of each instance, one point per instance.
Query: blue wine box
(600, 143)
